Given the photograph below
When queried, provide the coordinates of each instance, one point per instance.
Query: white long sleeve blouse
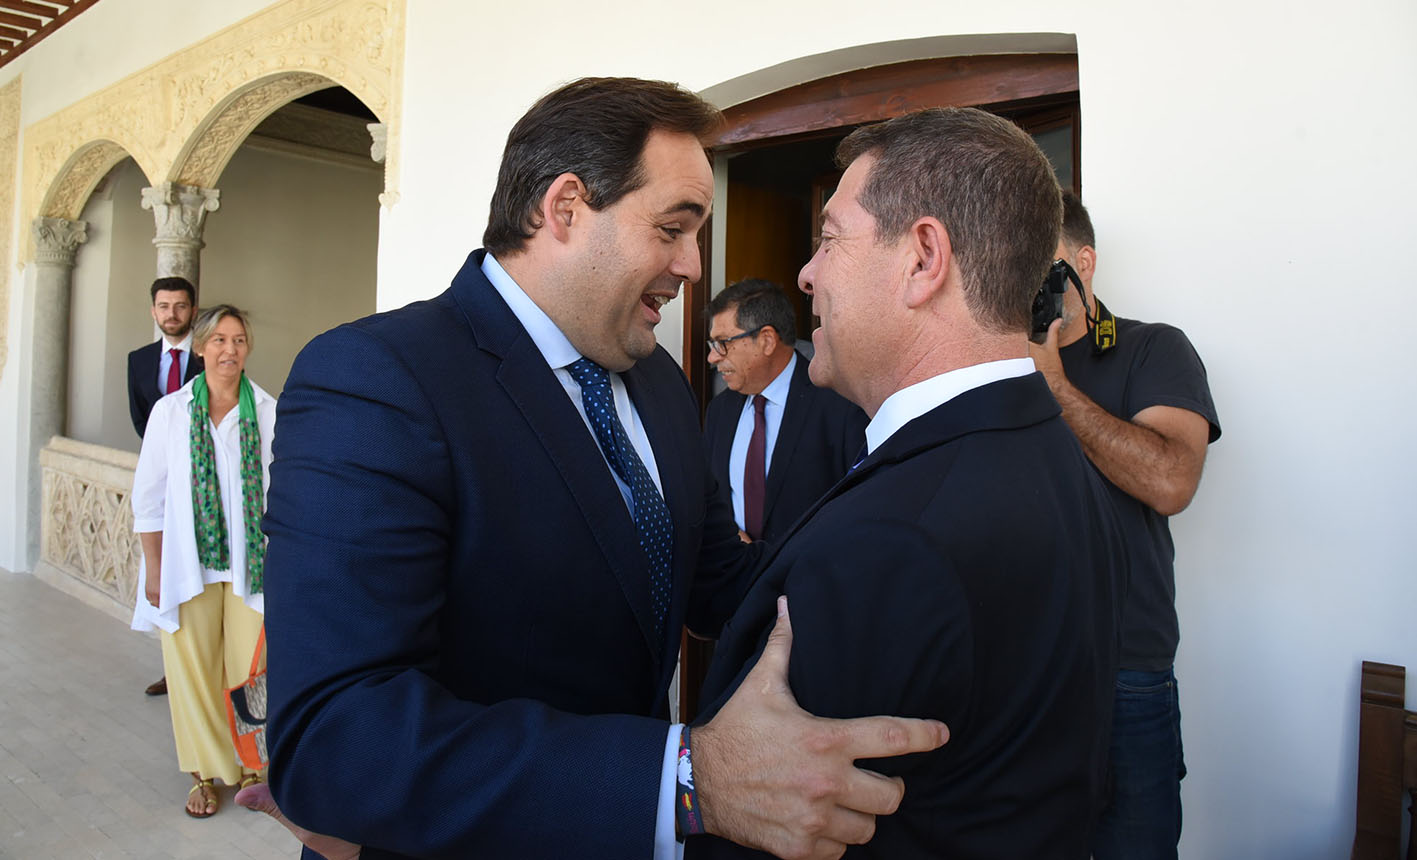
(162, 501)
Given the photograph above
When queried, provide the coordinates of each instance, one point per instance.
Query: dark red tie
(174, 373)
(755, 471)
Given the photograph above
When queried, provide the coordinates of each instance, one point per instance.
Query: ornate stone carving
(379, 133)
(218, 142)
(87, 530)
(9, 152)
(182, 118)
(180, 213)
(57, 240)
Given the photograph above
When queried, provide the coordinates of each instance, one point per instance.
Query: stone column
(56, 246)
(181, 214)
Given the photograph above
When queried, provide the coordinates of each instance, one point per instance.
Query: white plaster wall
(88, 323)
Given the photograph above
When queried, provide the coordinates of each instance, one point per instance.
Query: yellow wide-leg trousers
(210, 651)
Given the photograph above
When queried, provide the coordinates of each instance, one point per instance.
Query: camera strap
(1103, 328)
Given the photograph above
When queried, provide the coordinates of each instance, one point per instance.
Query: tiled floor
(87, 766)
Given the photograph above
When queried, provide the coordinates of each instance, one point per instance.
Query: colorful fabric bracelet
(687, 818)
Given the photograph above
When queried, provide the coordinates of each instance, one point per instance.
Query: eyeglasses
(720, 345)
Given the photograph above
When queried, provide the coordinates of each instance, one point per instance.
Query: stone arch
(80, 174)
(215, 140)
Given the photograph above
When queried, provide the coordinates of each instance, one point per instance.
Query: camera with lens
(1048, 301)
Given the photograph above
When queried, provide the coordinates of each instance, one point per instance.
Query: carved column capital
(379, 134)
(180, 211)
(180, 214)
(57, 241)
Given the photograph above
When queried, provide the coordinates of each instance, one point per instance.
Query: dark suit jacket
(970, 570)
(455, 586)
(820, 436)
(143, 389)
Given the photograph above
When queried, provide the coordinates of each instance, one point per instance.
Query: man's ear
(561, 205)
(767, 337)
(929, 258)
(1087, 262)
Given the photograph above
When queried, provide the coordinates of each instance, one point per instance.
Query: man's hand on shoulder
(771, 776)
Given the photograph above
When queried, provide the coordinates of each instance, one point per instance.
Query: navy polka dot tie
(650, 513)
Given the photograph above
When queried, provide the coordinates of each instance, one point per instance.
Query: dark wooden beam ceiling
(25, 22)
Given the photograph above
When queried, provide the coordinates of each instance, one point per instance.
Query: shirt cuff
(147, 525)
(666, 847)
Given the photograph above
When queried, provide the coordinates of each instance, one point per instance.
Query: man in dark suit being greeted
(774, 438)
(490, 517)
(163, 366)
(970, 568)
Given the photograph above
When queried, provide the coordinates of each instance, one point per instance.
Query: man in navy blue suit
(970, 568)
(775, 439)
(490, 517)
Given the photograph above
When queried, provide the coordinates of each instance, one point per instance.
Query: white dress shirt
(559, 353)
(162, 502)
(164, 359)
(913, 401)
(776, 394)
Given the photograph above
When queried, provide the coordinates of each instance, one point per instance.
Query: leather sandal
(209, 794)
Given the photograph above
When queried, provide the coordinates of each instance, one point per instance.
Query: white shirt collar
(553, 345)
(915, 400)
(185, 344)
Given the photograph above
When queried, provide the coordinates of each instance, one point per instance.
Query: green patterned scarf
(212, 543)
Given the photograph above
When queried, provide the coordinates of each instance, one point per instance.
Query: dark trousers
(1142, 820)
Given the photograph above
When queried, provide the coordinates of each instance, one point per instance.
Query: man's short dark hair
(990, 186)
(172, 284)
(595, 128)
(758, 303)
(1077, 224)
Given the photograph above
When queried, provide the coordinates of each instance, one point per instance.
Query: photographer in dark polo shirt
(1136, 395)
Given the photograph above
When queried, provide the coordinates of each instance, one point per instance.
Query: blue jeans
(1142, 819)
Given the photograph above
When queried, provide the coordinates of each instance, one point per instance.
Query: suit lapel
(532, 386)
(794, 418)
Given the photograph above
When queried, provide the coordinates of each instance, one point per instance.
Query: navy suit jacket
(143, 390)
(462, 661)
(818, 441)
(969, 570)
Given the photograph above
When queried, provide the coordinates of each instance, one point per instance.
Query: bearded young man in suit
(163, 366)
(970, 568)
(150, 373)
(490, 517)
(775, 439)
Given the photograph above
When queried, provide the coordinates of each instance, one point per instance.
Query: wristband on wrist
(687, 818)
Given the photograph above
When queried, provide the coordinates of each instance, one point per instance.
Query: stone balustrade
(87, 545)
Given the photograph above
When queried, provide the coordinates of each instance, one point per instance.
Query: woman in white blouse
(198, 495)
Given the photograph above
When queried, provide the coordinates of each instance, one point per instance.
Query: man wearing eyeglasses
(775, 439)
